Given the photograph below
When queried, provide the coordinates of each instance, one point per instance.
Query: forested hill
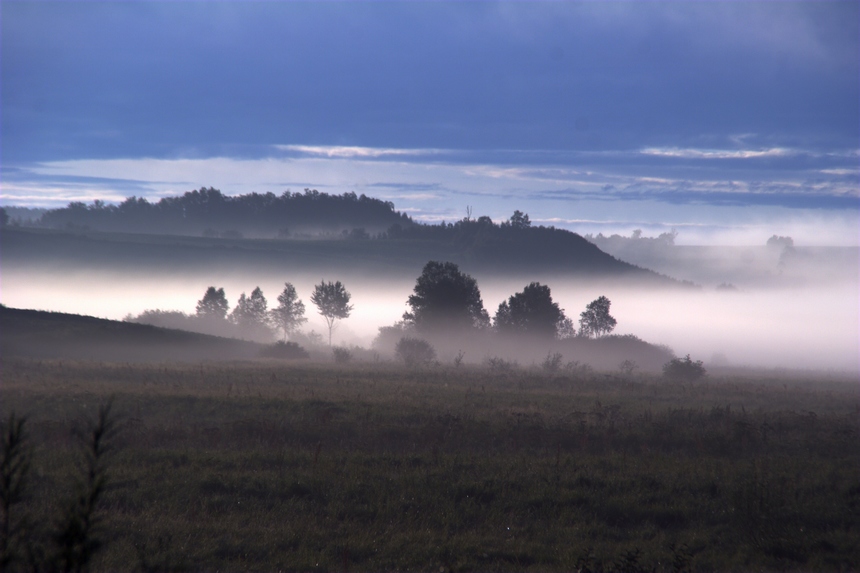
(349, 228)
(208, 212)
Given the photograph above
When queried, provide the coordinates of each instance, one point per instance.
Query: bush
(284, 350)
(76, 536)
(496, 364)
(552, 362)
(627, 367)
(341, 355)
(414, 351)
(684, 369)
(575, 368)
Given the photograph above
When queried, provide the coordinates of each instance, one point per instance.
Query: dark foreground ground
(262, 466)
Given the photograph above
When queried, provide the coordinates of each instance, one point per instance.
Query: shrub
(458, 360)
(574, 367)
(627, 367)
(341, 355)
(684, 369)
(414, 351)
(497, 364)
(552, 362)
(284, 350)
(71, 543)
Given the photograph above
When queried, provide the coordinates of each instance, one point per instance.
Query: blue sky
(730, 121)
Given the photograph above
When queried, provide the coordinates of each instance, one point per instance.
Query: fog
(801, 314)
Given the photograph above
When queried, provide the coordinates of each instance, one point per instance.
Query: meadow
(271, 466)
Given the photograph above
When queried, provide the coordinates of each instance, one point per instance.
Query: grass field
(261, 466)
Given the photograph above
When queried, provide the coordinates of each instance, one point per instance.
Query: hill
(51, 335)
(267, 229)
(493, 251)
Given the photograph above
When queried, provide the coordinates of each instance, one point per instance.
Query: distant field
(258, 465)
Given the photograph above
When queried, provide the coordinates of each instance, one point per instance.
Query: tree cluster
(252, 318)
(448, 300)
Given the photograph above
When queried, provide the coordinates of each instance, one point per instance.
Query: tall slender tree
(332, 301)
(252, 316)
(289, 315)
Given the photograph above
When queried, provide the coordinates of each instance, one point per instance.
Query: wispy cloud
(354, 152)
(690, 153)
(572, 190)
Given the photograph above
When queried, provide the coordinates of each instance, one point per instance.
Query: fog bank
(809, 323)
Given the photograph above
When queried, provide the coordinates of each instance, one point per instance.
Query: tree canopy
(445, 298)
(530, 312)
(332, 301)
(596, 320)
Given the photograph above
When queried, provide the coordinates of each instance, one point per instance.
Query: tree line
(253, 318)
(209, 212)
(444, 300)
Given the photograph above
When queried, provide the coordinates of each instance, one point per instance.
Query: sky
(728, 121)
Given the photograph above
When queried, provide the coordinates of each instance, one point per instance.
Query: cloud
(353, 152)
(564, 188)
(717, 153)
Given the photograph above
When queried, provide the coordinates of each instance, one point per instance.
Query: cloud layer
(709, 115)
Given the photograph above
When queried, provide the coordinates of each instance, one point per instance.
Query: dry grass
(262, 466)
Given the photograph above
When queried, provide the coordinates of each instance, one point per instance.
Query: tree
(213, 304)
(596, 320)
(530, 312)
(564, 329)
(289, 315)
(332, 300)
(445, 298)
(251, 314)
(519, 220)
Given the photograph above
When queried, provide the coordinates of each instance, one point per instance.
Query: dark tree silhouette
(446, 298)
(332, 300)
(596, 320)
(289, 315)
(519, 220)
(530, 312)
(252, 316)
(213, 305)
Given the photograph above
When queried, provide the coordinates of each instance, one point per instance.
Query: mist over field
(803, 314)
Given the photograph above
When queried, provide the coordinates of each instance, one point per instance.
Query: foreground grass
(261, 466)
